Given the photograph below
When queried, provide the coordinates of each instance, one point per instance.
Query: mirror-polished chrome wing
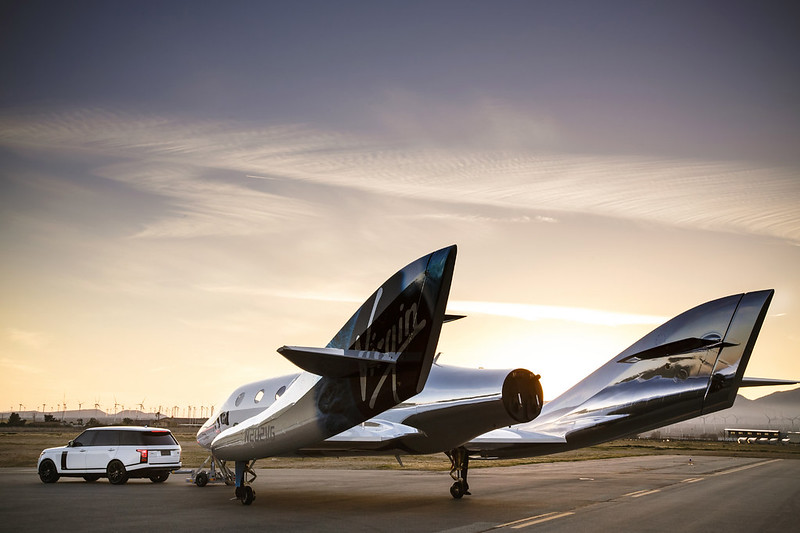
(690, 366)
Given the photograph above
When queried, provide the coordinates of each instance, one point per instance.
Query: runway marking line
(533, 520)
(745, 467)
(645, 493)
(546, 517)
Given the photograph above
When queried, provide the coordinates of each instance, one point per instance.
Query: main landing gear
(459, 465)
(244, 492)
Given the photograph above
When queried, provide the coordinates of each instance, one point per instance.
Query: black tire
(201, 479)
(457, 490)
(92, 477)
(247, 495)
(161, 477)
(48, 472)
(117, 475)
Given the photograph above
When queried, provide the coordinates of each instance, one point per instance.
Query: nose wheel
(244, 492)
(459, 466)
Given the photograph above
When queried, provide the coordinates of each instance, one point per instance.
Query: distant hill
(784, 400)
(84, 415)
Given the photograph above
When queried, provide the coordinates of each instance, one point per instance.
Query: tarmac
(650, 493)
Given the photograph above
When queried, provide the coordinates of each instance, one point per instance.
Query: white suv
(118, 453)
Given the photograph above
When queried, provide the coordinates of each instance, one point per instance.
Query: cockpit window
(259, 395)
(239, 399)
(280, 392)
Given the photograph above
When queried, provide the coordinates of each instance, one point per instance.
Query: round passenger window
(259, 395)
(239, 399)
(280, 392)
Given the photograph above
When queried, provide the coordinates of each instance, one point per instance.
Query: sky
(187, 186)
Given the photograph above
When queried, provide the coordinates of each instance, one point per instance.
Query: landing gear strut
(218, 472)
(244, 492)
(459, 465)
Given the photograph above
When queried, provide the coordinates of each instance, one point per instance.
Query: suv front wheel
(117, 475)
(48, 472)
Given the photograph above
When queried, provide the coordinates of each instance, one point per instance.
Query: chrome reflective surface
(691, 365)
(630, 394)
(404, 315)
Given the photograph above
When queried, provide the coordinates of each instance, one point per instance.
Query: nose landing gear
(244, 492)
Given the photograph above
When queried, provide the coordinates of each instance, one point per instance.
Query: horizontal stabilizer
(766, 382)
(376, 431)
(681, 346)
(335, 362)
(453, 318)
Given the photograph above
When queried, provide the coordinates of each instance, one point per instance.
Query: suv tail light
(142, 456)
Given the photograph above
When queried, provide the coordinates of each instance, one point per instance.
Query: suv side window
(107, 438)
(130, 438)
(84, 439)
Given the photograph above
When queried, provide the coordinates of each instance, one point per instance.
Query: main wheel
(457, 490)
(91, 477)
(201, 479)
(117, 475)
(245, 494)
(161, 477)
(48, 472)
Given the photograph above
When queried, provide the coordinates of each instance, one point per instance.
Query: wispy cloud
(550, 312)
(513, 310)
(172, 158)
(25, 338)
(273, 292)
(203, 205)
(16, 366)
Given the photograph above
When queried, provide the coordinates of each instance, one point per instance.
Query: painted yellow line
(542, 518)
(524, 520)
(634, 493)
(692, 480)
(646, 493)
